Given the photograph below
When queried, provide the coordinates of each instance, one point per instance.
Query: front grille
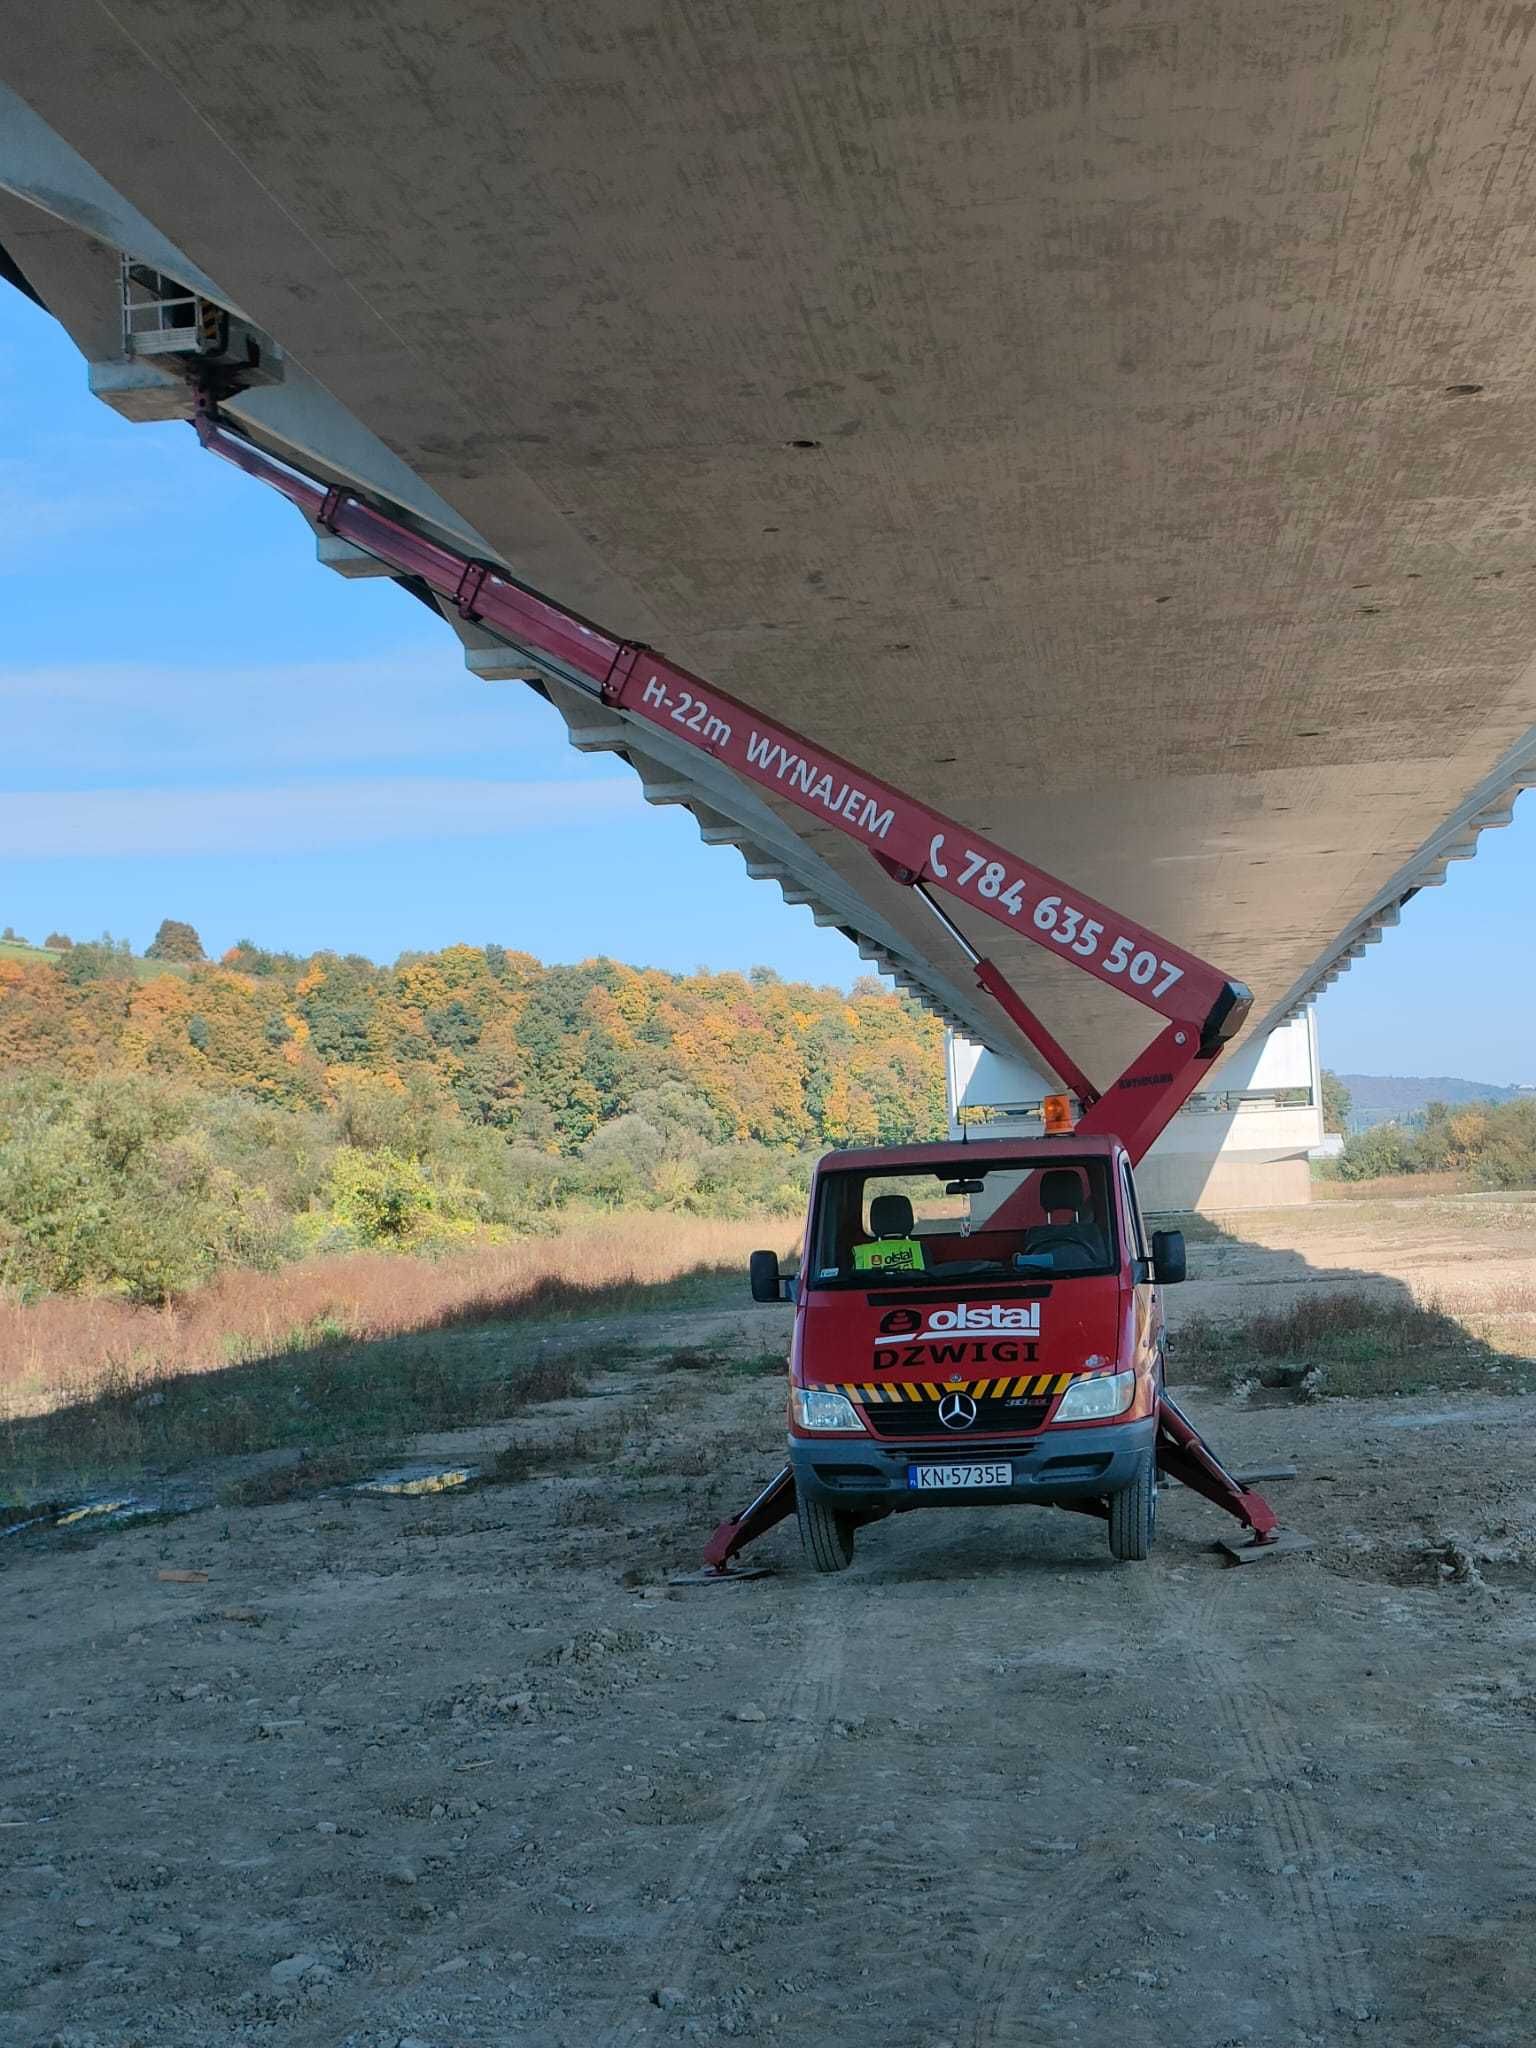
(921, 1418)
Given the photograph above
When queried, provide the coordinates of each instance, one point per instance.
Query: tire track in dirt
(1058, 1934)
(1329, 1981)
(1332, 1982)
(706, 1884)
(1046, 1926)
(1033, 1913)
(1029, 1942)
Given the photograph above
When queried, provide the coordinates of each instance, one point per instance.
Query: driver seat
(1077, 1244)
(894, 1247)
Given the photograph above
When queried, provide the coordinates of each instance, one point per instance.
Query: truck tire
(825, 1535)
(1133, 1515)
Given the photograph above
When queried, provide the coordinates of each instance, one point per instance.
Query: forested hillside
(544, 1054)
(1401, 1098)
(157, 1121)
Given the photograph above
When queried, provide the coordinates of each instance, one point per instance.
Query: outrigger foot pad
(721, 1575)
(1281, 1544)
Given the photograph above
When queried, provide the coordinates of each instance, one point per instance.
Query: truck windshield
(1040, 1221)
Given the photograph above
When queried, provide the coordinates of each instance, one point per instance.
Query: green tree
(103, 959)
(1336, 1103)
(453, 1027)
(685, 1120)
(621, 1156)
(489, 1086)
(1384, 1148)
(174, 941)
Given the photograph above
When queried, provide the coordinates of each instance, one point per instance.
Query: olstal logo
(982, 1319)
(974, 1333)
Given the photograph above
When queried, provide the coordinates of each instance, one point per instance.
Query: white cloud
(305, 817)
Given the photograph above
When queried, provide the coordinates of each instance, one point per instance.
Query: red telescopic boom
(915, 845)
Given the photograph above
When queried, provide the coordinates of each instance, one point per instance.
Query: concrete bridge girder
(1165, 525)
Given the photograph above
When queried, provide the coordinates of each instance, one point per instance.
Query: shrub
(111, 1188)
(1385, 1148)
(380, 1197)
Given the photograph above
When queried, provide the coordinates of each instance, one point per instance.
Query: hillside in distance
(1394, 1098)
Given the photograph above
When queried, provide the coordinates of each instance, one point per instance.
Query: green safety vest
(898, 1254)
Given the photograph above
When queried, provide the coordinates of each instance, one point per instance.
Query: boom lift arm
(917, 847)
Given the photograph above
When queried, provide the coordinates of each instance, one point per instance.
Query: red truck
(975, 1323)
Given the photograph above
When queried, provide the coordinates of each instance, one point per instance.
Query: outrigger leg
(1182, 1453)
(772, 1505)
(1185, 1455)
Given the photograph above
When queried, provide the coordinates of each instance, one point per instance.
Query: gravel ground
(464, 1769)
(427, 1771)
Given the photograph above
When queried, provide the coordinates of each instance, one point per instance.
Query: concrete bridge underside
(1116, 424)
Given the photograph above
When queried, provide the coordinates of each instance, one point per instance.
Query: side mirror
(1168, 1266)
(763, 1271)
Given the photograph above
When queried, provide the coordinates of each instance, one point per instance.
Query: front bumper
(857, 1473)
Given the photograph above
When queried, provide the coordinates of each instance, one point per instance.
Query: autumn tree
(58, 942)
(174, 941)
(1336, 1102)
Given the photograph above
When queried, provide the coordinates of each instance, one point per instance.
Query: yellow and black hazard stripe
(894, 1392)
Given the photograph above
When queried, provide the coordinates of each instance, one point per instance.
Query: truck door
(1148, 1303)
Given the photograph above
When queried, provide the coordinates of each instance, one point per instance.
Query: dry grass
(55, 1351)
(1390, 1187)
(1348, 1344)
(311, 1473)
(365, 1349)
(524, 1457)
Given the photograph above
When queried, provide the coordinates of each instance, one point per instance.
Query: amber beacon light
(1056, 1113)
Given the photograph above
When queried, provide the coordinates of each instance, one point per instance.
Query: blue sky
(196, 721)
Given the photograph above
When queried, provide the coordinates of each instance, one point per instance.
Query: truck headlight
(816, 1409)
(1094, 1396)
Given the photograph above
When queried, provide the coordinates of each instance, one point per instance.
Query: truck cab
(975, 1324)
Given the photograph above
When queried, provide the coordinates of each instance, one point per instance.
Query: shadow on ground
(317, 1392)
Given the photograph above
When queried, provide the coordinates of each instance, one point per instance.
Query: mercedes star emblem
(957, 1411)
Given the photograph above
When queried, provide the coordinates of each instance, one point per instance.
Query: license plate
(926, 1477)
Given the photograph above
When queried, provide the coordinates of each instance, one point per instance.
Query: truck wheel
(825, 1535)
(1133, 1515)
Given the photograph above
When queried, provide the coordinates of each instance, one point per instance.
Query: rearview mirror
(763, 1271)
(1168, 1257)
(964, 1187)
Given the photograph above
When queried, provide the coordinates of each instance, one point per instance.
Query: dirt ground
(465, 1769)
(1469, 1253)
